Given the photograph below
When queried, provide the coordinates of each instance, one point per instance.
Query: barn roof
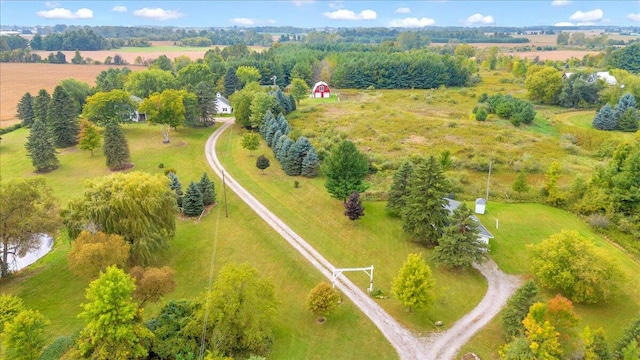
(321, 83)
(451, 205)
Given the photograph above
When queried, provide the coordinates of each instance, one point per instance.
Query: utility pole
(488, 179)
(224, 191)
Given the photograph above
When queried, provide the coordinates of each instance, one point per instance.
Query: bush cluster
(506, 107)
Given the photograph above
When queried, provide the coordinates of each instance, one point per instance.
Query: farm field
(49, 286)
(18, 78)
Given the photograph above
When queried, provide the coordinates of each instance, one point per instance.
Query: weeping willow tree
(137, 206)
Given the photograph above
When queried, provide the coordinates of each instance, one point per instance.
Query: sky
(319, 13)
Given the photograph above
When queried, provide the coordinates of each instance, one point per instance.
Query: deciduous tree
(114, 328)
(89, 137)
(27, 210)
(146, 219)
(247, 74)
(41, 148)
(260, 104)
(543, 84)
(460, 245)
(251, 141)
(116, 148)
(24, 337)
(322, 300)
(414, 284)
(92, 253)
(153, 80)
(570, 262)
(345, 169)
(152, 283)
(170, 338)
(105, 107)
(78, 91)
(10, 306)
(165, 109)
(425, 216)
(299, 89)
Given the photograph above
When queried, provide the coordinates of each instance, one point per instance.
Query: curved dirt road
(438, 346)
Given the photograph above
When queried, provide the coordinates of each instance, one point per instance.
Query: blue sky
(318, 13)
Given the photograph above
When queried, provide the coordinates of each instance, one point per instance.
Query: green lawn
(243, 237)
(377, 239)
(522, 224)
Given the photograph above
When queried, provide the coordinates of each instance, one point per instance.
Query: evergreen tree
(284, 149)
(628, 121)
(262, 163)
(520, 185)
(270, 133)
(62, 119)
(89, 137)
(310, 164)
(193, 204)
(345, 169)
(25, 110)
(231, 82)
(460, 246)
(292, 102)
(425, 215)
(627, 101)
(517, 309)
(41, 148)
(353, 208)
(278, 138)
(208, 189)
(41, 105)
(396, 197)
(630, 335)
(267, 121)
(414, 284)
(116, 148)
(605, 119)
(176, 186)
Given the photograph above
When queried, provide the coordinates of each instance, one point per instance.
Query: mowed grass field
(216, 240)
(377, 239)
(18, 78)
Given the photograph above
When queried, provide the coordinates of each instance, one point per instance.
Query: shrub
(482, 114)
(599, 221)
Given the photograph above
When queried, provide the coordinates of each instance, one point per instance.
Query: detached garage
(321, 90)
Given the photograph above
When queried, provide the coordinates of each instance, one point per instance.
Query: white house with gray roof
(223, 106)
(484, 234)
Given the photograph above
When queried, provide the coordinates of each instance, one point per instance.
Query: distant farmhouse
(223, 106)
(134, 115)
(603, 75)
(484, 235)
(321, 90)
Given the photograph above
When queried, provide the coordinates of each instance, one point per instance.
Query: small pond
(17, 263)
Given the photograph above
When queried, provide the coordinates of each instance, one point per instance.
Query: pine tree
(89, 137)
(628, 121)
(295, 156)
(267, 120)
(270, 133)
(605, 119)
(425, 216)
(262, 163)
(41, 105)
(292, 102)
(62, 119)
(284, 149)
(520, 185)
(116, 148)
(517, 309)
(345, 169)
(208, 189)
(460, 246)
(627, 101)
(176, 186)
(41, 148)
(396, 197)
(25, 110)
(278, 138)
(353, 208)
(192, 203)
(310, 164)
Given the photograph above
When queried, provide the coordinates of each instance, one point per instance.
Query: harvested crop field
(18, 78)
(552, 55)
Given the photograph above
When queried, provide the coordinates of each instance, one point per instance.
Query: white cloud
(344, 14)
(336, 4)
(564, 23)
(411, 22)
(560, 2)
(403, 10)
(479, 19)
(120, 9)
(302, 2)
(157, 14)
(51, 4)
(634, 17)
(62, 13)
(242, 21)
(587, 17)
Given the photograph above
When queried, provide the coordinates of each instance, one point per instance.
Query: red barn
(321, 90)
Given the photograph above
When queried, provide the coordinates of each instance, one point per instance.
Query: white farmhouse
(484, 234)
(223, 106)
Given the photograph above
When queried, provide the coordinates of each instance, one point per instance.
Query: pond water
(17, 263)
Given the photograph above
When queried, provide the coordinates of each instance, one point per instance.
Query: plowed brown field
(18, 78)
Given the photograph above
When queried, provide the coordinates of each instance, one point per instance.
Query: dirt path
(440, 346)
